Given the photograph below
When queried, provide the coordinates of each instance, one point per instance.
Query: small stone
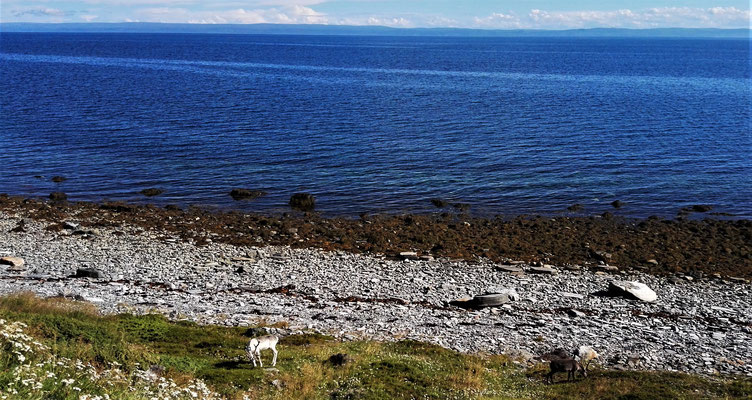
(508, 268)
(409, 255)
(617, 204)
(652, 261)
(542, 270)
(572, 295)
(576, 313)
(719, 336)
(607, 268)
(88, 273)
(71, 225)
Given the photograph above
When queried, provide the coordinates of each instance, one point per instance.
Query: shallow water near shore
(380, 124)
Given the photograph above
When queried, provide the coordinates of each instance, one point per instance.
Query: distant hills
(284, 29)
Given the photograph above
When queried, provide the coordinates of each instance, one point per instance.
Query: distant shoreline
(349, 30)
(660, 246)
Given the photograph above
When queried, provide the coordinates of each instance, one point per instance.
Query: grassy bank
(60, 349)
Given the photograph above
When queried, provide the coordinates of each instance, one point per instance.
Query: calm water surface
(380, 124)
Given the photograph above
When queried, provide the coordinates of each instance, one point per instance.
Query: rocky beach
(701, 321)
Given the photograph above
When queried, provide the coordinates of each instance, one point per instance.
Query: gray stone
(508, 268)
(607, 268)
(576, 313)
(542, 270)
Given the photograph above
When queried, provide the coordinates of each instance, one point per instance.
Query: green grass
(398, 370)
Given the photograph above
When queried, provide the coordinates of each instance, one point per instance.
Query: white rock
(634, 289)
(16, 263)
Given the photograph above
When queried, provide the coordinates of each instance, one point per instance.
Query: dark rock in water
(58, 179)
(576, 207)
(152, 192)
(88, 273)
(340, 359)
(58, 196)
(700, 208)
(439, 203)
(617, 204)
(607, 215)
(461, 206)
(246, 194)
(172, 207)
(303, 201)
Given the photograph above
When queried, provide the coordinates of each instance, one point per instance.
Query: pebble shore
(698, 326)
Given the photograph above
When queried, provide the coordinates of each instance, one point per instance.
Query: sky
(484, 14)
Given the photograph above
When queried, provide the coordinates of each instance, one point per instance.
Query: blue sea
(380, 124)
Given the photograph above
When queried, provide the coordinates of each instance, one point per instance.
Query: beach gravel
(700, 326)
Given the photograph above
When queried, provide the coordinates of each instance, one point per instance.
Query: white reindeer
(586, 355)
(262, 343)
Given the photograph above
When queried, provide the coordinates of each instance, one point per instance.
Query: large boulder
(632, 290)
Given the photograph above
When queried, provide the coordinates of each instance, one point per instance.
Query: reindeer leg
(274, 361)
(258, 355)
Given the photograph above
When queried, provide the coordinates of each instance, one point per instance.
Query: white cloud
(39, 12)
(286, 15)
(686, 17)
(498, 21)
(397, 22)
